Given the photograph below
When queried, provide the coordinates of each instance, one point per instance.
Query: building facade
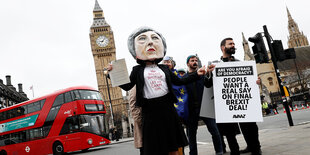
(295, 73)
(288, 68)
(295, 38)
(104, 51)
(9, 95)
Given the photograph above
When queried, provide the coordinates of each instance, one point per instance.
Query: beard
(231, 50)
(194, 66)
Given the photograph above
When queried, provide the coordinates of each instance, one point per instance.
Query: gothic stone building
(9, 95)
(296, 72)
(288, 68)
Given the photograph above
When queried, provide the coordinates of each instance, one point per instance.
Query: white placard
(236, 94)
(207, 103)
(119, 73)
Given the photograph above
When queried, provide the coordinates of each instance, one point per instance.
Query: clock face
(102, 41)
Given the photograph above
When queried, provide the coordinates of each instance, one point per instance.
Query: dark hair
(223, 42)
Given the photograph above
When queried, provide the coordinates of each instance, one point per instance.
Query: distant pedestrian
(181, 71)
(270, 107)
(116, 134)
(265, 107)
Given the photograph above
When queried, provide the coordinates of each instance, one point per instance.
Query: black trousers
(232, 143)
(250, 134)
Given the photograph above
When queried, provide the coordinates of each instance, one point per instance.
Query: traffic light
(259, 49)
(278, 50)
(282, 54)
(290, 53)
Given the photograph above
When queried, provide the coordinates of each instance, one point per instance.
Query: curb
(121, 141)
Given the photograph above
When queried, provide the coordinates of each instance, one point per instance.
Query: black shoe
(259, 152)
(224, 151)
(246, 150)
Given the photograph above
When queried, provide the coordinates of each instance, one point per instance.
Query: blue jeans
(191, 131)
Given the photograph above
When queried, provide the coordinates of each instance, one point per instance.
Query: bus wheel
(3, 152)
(58, 148)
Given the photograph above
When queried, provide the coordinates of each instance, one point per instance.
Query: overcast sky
(45, 43)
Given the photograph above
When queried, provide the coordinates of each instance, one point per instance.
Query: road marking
(202, 143)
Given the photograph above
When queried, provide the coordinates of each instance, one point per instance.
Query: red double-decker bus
(67, 120)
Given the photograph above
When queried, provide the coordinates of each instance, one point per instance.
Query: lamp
(106, 73)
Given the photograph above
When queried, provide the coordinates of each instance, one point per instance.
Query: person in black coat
(162, 130)
(249, 129)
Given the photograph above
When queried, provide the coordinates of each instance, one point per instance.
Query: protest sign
(207, 103)
(236, 94)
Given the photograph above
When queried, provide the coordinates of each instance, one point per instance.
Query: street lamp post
(105, 72)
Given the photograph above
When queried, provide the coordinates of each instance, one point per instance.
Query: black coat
(137, 78)
(228, 128)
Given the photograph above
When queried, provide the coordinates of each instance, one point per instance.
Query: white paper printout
(119, 73)
(236, 94)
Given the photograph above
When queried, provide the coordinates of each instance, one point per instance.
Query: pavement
(123, 140)
(293, 140)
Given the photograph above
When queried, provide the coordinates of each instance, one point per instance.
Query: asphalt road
(270, 122)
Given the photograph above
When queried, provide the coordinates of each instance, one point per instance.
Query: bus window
(76, 95)
(42, 103)
(21, 137)
(94, 107)
(12, 113)
(59, 100)
(68, 97)
(92, 124)
(35, 133)
(3, 116)
(33, 107)
(90, 95)
(71, 125)
(20, 111)
(25, 109)
(52, 114)
(5, 140)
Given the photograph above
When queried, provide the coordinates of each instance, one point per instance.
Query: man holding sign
(235, 99)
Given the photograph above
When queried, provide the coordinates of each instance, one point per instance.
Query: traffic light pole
(273, 58)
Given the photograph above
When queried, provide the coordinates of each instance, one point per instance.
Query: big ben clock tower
(103, 50)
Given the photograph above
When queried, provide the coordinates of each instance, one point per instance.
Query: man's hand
(110, 67)
(202, 70)
(107, 69)
(210, 68)
(258, 81)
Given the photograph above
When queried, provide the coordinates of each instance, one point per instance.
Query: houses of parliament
(295, 73)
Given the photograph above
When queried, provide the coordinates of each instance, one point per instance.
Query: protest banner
(236, 94)
(207, 103)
